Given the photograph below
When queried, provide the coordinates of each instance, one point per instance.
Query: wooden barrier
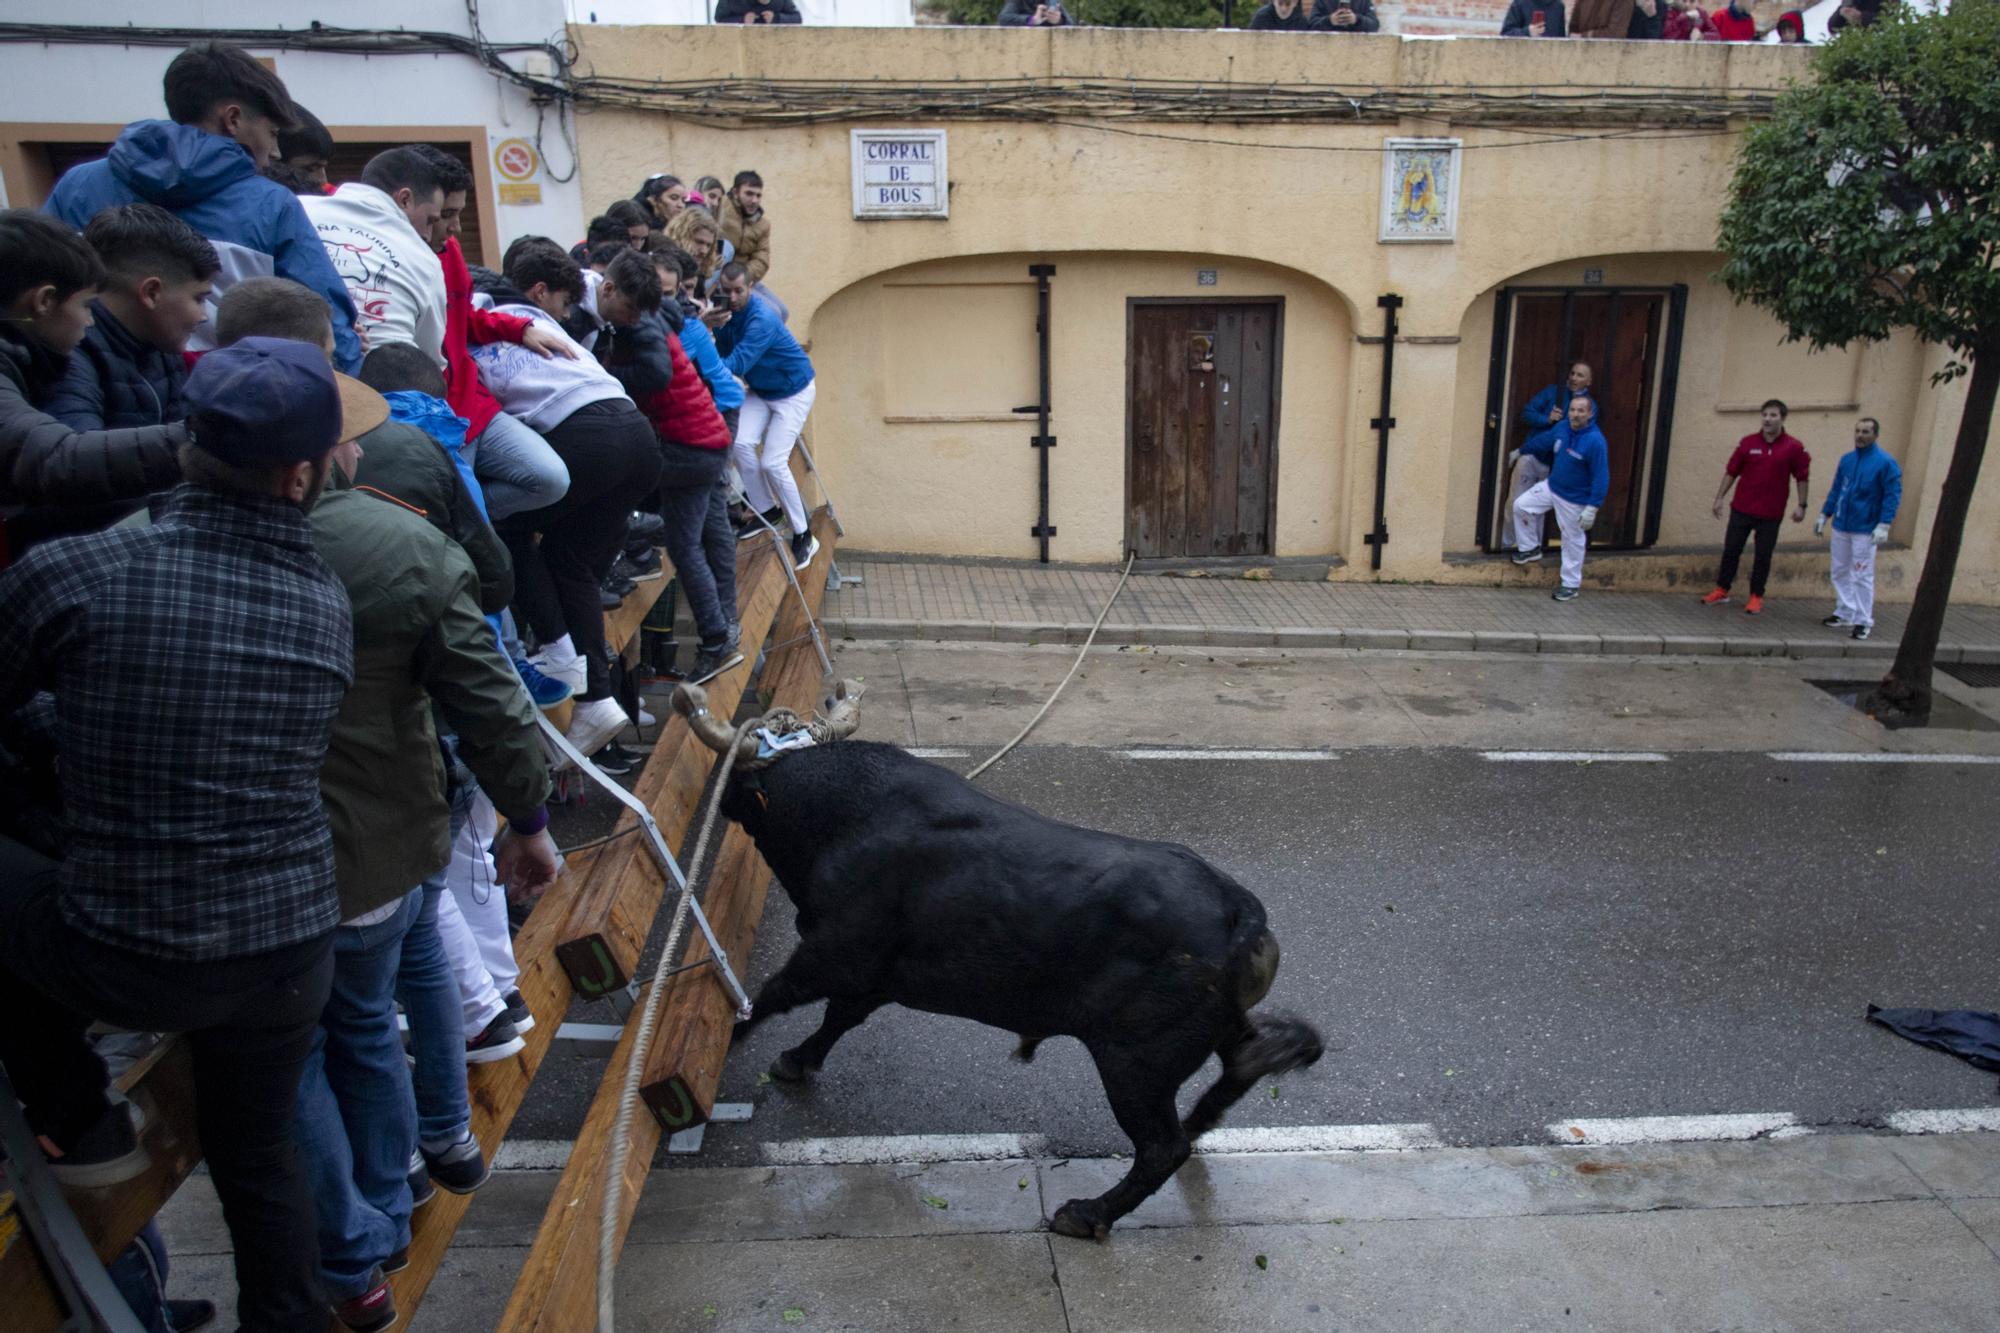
(556, 1291)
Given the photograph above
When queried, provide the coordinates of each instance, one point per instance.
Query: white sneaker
(571, 671)
(594, 722)
(646, 718)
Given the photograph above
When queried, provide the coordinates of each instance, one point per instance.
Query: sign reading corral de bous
(900, 174)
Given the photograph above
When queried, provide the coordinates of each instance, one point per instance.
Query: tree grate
(1980, 676)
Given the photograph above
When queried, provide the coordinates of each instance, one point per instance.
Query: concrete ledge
(1443, 640)
(1240, 636)
(1311, 638)
(1377, 638)
(1873, 649)
(1178, 636)
(1980, 656)
(1758, 647)
(1026, 631)
(1691, 645)
(1638, 645)
(1571, 643)
(976, 630)
(1505, 641)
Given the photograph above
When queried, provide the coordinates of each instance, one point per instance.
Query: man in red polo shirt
(1759, 469)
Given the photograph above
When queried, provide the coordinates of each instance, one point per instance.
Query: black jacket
(782, 11)
(1521, 11)
(45, 463)
(115, 380)
(637, 356)
(1016, 13)
(1364, 17)
(1643, 29)
(1266, 19)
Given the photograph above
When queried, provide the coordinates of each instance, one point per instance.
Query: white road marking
(934, 752)
(1877, 757)
(1320, 1138)
(1673, 1128)
(532, 1155)
(1282, 756)
(1946, 1122)
(1574, 756)
(867, 1149)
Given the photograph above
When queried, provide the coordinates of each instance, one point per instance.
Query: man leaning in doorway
(1579, 479)
(1867, 491)
(1543, 416)
(1761, 469)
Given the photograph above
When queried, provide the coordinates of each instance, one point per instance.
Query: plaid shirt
(198, 665)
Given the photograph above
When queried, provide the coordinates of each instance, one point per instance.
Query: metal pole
(1043, 441)
(1382, 425)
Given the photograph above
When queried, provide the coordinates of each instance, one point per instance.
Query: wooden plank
(600, 943)
(163, 1083)
(557, 1288)
(685, 1063)
(1254, 478)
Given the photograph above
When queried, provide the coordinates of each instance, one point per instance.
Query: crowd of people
(1563, 466)
(305, 516)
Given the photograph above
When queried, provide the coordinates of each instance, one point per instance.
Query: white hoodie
(391, 272)
(542, 390)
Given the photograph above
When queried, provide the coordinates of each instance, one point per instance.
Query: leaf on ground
(1263, 1262)
(937, 1203)
(1274, 1092)
(1388, 907)
(1575, 1133)
(1449, 1072)
(793, 1315)
(1021, 1184)
(708, 1310)
(763, 1078)
(1881, 851)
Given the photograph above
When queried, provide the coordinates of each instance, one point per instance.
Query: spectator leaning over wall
(203, 166)
(1601, 18)
(1281, 16)
(1034, 14)
(1648, 17)
(757, 11)
(1535, 18)
(1345, 16)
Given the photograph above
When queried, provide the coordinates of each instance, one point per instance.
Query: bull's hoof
(1082, 1219)
(788, 1068)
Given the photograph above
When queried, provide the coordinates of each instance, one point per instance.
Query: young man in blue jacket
(1543, 415)
(1867, 491)
(202, 166)
(1579, 478)
(759, 350)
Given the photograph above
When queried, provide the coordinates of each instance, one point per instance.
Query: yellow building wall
(913, 427)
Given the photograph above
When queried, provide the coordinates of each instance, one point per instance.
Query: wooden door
(1201, 427)
(1630, 339)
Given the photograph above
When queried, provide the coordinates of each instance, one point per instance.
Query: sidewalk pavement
(1015, 603)
(1817, 1232)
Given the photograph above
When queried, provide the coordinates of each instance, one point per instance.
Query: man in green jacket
(420, 641)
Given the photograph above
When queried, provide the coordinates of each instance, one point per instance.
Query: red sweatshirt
(463, 320)
(1731, 26)
(683, 412)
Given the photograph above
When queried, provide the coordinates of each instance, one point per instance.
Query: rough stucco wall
(1131, 209)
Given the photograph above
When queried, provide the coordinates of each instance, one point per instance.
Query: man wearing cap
(196, 667)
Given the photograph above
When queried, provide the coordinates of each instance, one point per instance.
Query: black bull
(914, 887)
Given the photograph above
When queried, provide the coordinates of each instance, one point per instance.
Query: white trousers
(1527, 471)
(472, 921)
(1854, 576)
(766, 431)
(1537, 500)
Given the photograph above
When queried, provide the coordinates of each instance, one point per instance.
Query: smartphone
(1539, 16)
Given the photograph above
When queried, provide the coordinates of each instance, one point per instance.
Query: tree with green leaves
(1868, 203)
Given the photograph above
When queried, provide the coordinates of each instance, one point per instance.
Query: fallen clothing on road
(1972, 1036)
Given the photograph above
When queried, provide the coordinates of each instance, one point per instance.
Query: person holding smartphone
(1535, 18)
(1034, 14)
(1345, 16)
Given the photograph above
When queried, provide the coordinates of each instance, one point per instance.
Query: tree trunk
(1907, 687)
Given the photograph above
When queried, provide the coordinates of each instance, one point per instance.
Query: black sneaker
(1835, 621)
(1861, 631)
(615, 759)
(421, 1189)
(608, 599)
(373, 1310)
(708, 665)
(1564, 593)
(645, 525)
(107, 1153)
(641, 566)
(460, 1168)
(517, 1012)
(188, 1316)
(497, 1042)
(804, 547)
(1527, 557)
(396, 1262)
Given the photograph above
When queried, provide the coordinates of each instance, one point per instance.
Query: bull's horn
(691, 702)
(844, 716)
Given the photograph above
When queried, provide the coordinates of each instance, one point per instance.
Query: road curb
(1609, 644)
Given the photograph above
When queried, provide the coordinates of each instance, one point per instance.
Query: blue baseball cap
(272, 401)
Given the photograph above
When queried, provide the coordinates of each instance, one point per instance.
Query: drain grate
(1946, 714)
(1984, 676)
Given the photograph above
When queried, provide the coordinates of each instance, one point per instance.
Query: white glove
(1881, 533)
(1819, 525)
(1513, 457)
(1587, 517)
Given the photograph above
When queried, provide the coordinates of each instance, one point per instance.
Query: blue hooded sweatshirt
(1581, 470)
(210, 182)
(1867, 490)
(1535, 416)
(758, 349)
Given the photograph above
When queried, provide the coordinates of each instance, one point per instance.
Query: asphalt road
(1485, 947)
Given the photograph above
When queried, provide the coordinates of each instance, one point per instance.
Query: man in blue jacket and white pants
(1579, 478)
(759, 350)
(1867, 491)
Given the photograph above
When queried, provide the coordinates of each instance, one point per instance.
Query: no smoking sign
(515, 160)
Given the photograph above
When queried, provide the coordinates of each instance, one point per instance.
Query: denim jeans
(429, 992)
(357, 1117)
(516, 468)
(694, 505)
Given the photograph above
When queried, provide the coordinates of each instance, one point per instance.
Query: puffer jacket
(684, 412)
(257, 226)
(45, 463)
(419, 638)
(399, 460)
(115, 380)
(751, 236)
